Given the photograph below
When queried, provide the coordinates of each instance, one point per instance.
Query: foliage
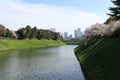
(34, 33)
(116, 33)
(6, 33)
(102, 31)
(2, 30)
(109, 20)
(28, 33)
(115, 11)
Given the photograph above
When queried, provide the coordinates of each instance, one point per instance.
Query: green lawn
(21, 44)
(100, 59)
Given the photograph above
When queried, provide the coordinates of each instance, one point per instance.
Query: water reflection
(55, 63)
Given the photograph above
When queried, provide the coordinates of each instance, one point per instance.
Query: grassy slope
(21, 44)
(100, 59)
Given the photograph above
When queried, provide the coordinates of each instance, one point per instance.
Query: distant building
(70, 37)
(65, 35)
(78, 33)
(53, 29)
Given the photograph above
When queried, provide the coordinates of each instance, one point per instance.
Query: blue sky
(64, 15)
(95, 6)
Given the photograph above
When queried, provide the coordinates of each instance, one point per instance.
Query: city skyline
(77, 34)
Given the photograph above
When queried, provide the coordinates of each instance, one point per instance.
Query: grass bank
(21, 44)
(100, 59)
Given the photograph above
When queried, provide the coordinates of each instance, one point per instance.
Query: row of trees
(28, 33)
(34, 33)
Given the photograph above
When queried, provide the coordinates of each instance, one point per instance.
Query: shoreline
(80, 65)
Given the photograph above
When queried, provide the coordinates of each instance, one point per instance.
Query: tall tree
(39, 34)
(28, 31)
(21, 33)
(2, 30)
(34, 32)
(115, 11)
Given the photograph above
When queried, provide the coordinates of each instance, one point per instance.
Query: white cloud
(16, 14)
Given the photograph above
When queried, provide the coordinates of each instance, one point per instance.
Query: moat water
(54, 63)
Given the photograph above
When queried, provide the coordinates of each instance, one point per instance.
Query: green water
(55, 63)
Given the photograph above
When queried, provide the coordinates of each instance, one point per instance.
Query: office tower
(70, 37)
(65, 35)
(78, 33)
(53, 29)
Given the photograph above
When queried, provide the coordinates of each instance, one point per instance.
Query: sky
(64, 15)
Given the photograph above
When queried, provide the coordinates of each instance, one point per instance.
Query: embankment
(100, 59)
(21, 44)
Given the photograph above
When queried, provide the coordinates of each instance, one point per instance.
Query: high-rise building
(65, 35)
(70, 37)
(79, 29)
(53, 29)
(78, 33)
